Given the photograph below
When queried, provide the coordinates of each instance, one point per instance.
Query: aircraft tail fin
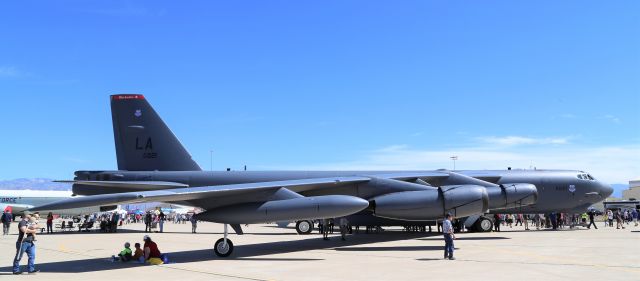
(143, 140)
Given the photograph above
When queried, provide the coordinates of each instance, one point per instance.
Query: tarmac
(266, 252)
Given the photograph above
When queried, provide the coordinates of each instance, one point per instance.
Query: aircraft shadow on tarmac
(399, 248)
(246, 252)
(142, 231)
(467, 238)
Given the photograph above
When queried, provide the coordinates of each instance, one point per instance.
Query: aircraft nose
(605, 190)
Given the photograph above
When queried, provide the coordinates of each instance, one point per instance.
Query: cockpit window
(585, 177)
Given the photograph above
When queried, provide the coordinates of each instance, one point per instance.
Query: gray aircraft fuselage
(558, 190)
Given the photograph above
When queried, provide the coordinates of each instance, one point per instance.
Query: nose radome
(605, 190)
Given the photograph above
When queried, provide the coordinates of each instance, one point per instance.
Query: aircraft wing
(250, 191)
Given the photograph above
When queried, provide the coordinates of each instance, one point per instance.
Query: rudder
(143, 141)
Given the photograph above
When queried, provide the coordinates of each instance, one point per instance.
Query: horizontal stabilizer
(81, 187)
(131, 184)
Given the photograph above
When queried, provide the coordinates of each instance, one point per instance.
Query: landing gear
(484, 224)
(304, 227)
(223, 247)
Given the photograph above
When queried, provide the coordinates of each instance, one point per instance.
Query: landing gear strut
(223, 247)
(304, 227)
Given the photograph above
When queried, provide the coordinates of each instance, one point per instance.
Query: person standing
(447, 230)
(592, 219)
(343, 227)
(634, 216)
(194, 223)
(147, 222)
(25, 244)
(50, 223)
(619, 222)
(553, 221)
(519, 219)
(6, 219)
(525, 219)
(161, 217)
(610, 217)
(325, 229)
(115, 219)
(331, 225)
(496, 223)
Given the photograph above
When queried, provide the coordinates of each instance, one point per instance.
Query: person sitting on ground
(138, 254)
(125, 254)
(151, 251)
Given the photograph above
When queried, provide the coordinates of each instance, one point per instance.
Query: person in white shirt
(447, 230)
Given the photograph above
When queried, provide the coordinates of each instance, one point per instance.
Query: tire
(304, 227)
(484, 225)
(222, 251)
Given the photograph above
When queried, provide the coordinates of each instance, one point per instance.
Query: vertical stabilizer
(143, 140)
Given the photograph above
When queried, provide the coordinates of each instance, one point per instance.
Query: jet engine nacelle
(459, 200)
(504, 196)
(304, 208)
(512, 195)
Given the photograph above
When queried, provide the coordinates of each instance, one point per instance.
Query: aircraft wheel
(484, 224)
(304, 227)
(221, 249)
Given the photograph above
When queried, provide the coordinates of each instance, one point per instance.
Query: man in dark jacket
(592, 220)
(6, 219)
(147, 222)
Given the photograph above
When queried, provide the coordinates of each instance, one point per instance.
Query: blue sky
(327, 85)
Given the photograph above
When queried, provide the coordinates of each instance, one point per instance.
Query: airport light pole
(454, 158)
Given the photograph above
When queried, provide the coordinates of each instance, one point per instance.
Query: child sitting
(138, 255)
(124, 255)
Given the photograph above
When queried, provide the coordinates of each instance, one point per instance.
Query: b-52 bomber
(153, 166)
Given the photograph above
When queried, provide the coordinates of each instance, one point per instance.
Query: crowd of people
(621, 217)
(563, 220)
(149, 252)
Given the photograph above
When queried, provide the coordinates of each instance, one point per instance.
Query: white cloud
(612, 118)
(9, 71)
(518, 140)
(612, 164)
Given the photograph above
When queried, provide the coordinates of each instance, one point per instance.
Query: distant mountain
(618, 188)
(34, 184)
